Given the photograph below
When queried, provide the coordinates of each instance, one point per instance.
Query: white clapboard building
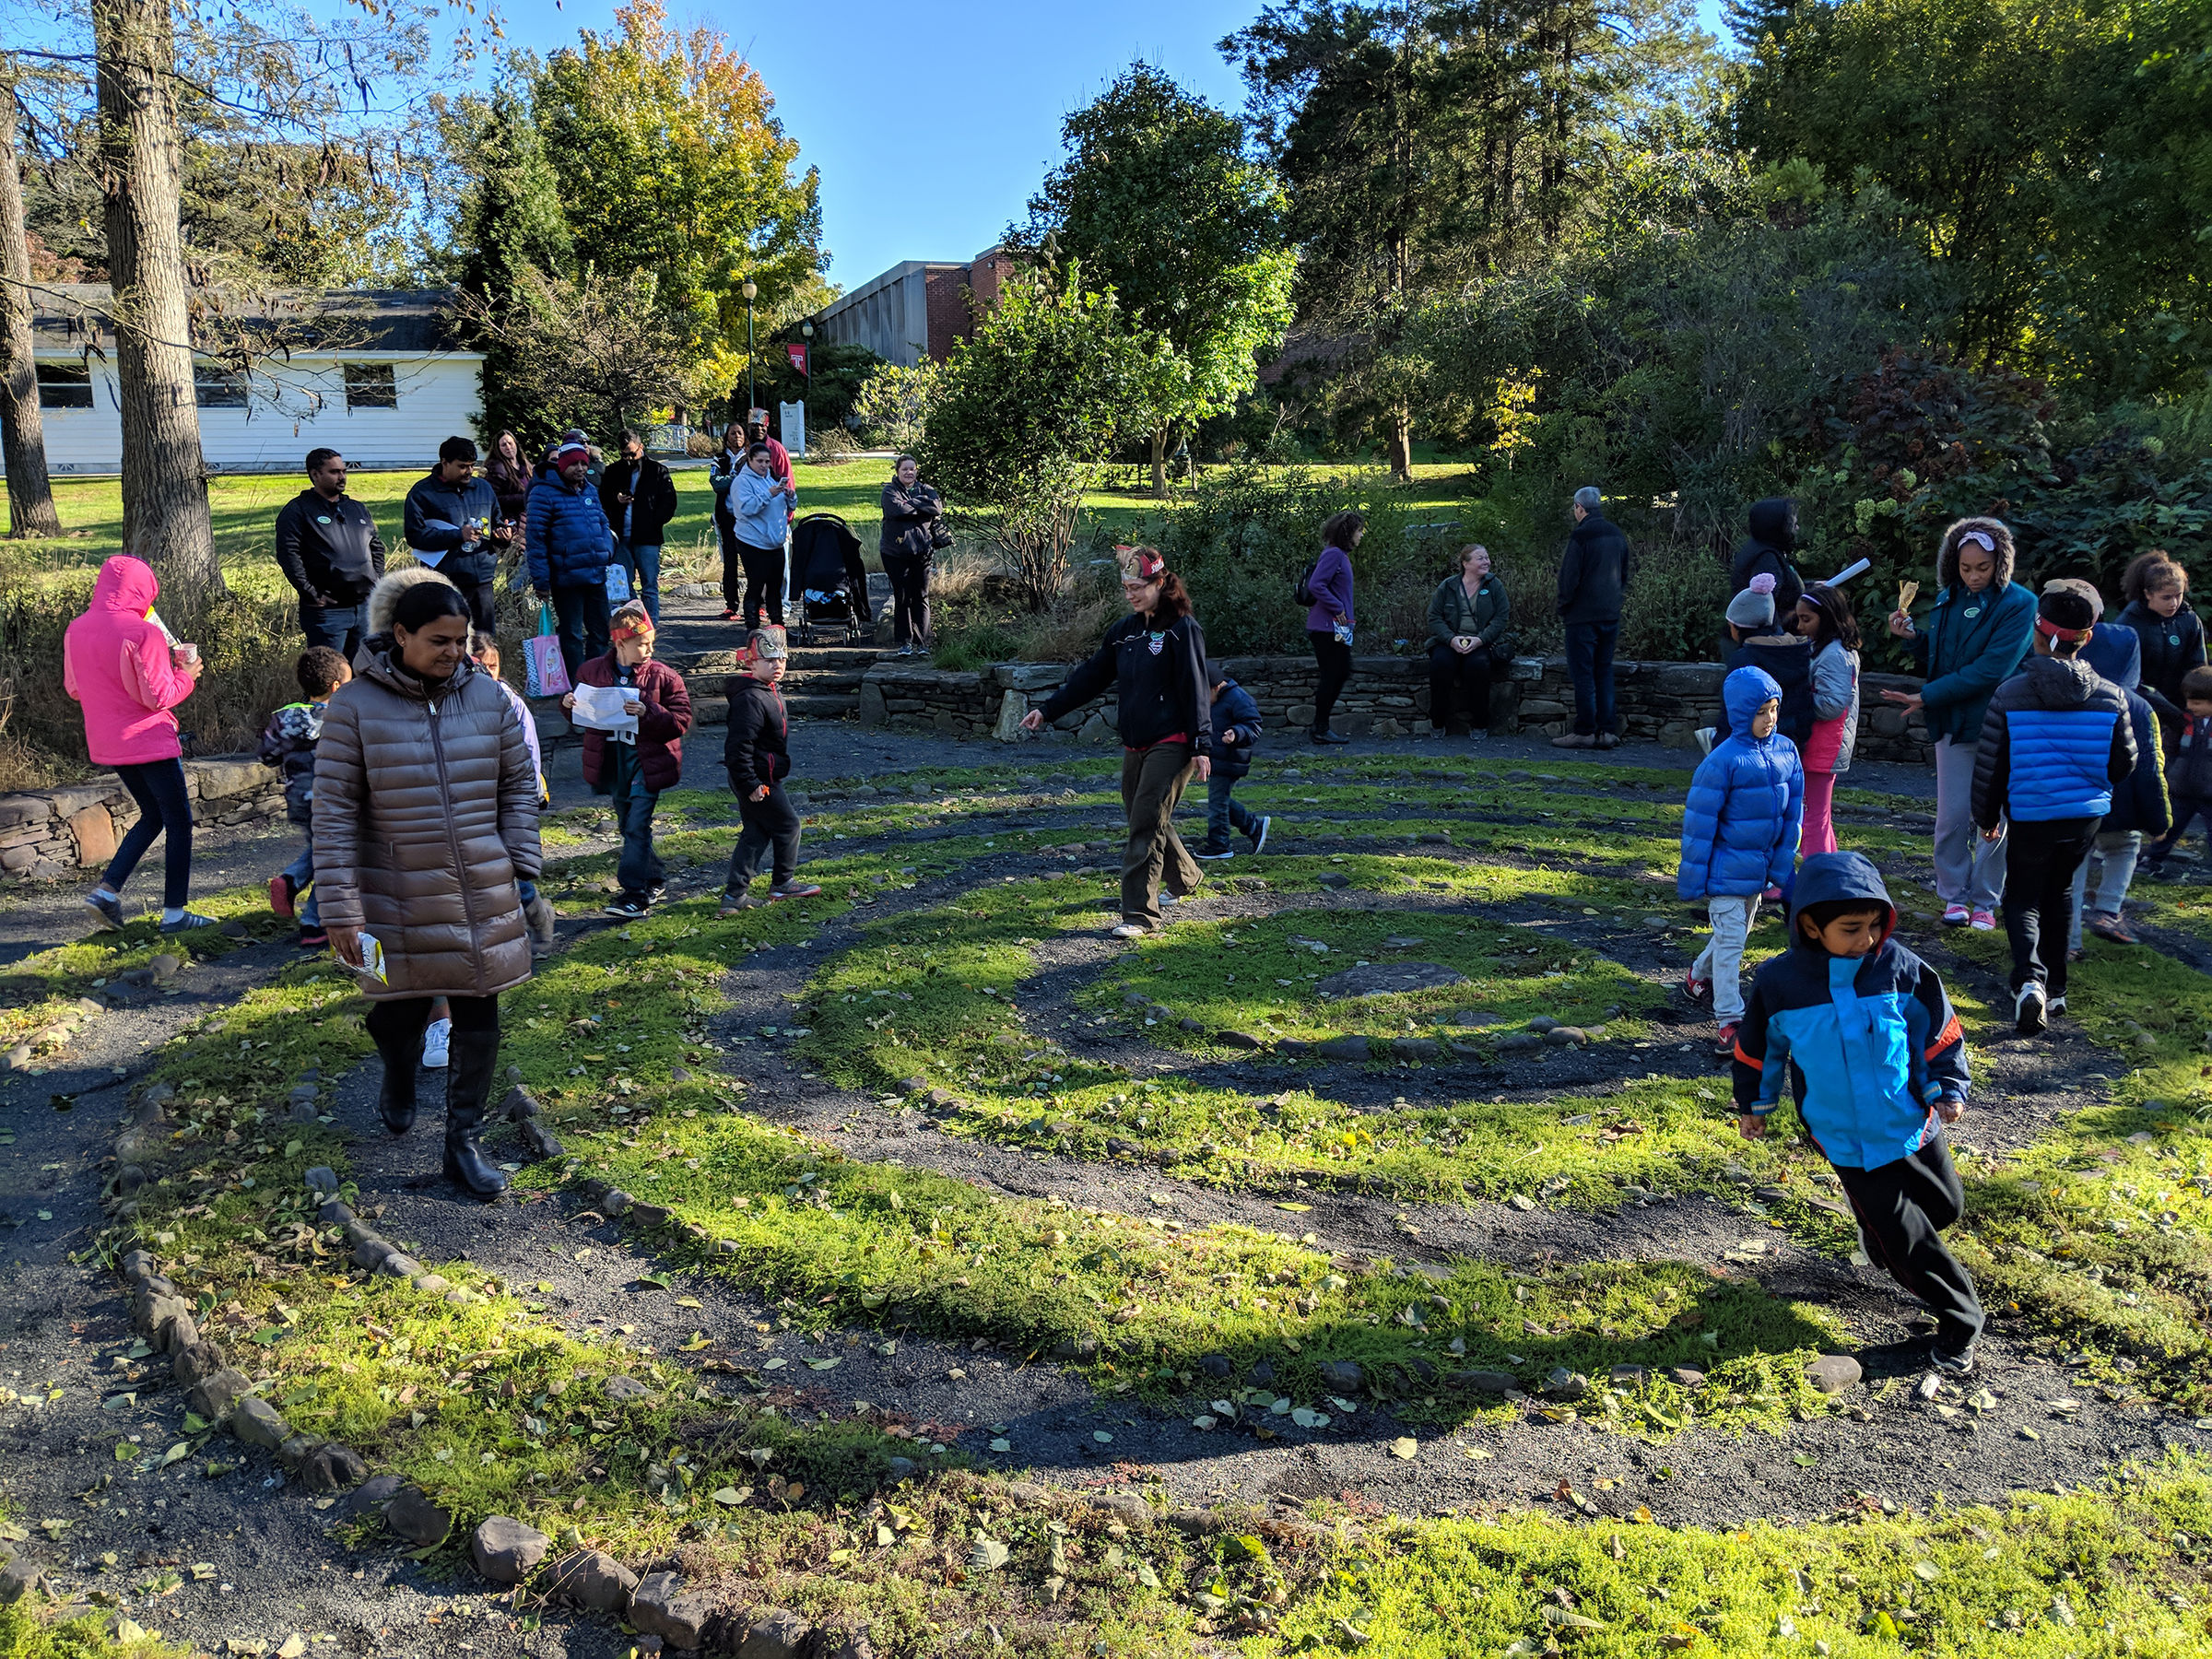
(374, 375)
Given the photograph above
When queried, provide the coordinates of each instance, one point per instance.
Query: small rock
(1519, 1042)
(1261, 1372)
(1833, 1374)
(1543, 1023)
(1404, 942)
(402, 1267)
(1474, 1017)
(1567, 1036)
(1345, 1048)
(414, 1517)
(371, 1494)
(1076, 1348)
(900, 1468)
(1628, 1376)
(1521, 1201)
(615, 1203)
(540, 1142)
(1217, 1365)
(1564, 1385)
(302, 1112)
(517, 1104)
(165, 968)
(622, 1390)
(1416, 1048)
(774, 1633)
(844, 1644)
(1486, 1381)
(649, 1215)
(1333, 880)
(198, 1360)
(322, 1178)
(256, 1422)
(431, 1283)
(1686, 1376)
(505, 1549)
(1341, 1376)
(661, 1607)
(1188, 1024)
(1237, 1039)
(1129, 1506)
(214, 1396)
(18, 1579)
(332, 1468)
(593, 1580)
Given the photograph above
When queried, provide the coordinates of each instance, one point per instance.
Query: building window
(65, 386)
(370, 386)
(213, 388)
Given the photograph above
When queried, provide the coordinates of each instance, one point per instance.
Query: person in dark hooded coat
(1767, 548)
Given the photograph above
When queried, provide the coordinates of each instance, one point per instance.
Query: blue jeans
(1589, 664)
(164, 805)
(303, 872)
(582, 622)
(640, 870)
(1224, 812)
(643, 564)
(338, 627)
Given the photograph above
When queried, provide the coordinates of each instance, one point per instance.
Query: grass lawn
(244, 507)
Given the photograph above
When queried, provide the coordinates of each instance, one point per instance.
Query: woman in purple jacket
(1329, 623)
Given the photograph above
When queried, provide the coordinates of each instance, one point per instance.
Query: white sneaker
(2029, 1012)
(1167, 899)
(1131, 930)
(434, 1042)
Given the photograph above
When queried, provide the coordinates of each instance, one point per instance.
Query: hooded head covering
(1743, 694)
(1826, 877)
(1774, 521)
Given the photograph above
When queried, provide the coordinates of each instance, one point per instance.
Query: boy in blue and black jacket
(2054, 742)
(289, 744)
(1863, 1031)
(1235, 733)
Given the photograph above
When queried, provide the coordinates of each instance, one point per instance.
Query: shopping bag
(546, 672)
(617, 585)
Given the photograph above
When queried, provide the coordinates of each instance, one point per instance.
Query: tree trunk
(1401, 444)
(165, 517)
(1159, 461)
(22, 429)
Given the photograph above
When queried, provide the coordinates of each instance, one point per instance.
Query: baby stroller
(832, 582)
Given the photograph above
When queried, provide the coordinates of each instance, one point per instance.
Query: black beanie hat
(2067, 608)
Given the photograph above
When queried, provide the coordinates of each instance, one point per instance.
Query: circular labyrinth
(1394, 1176)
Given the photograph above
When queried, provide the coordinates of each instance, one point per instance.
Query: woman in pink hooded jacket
(119, 662)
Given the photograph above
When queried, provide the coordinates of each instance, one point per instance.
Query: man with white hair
(1594, 574)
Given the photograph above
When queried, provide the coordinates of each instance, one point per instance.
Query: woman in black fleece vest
(1156, 658)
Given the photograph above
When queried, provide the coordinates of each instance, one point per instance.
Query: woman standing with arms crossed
(426, 816)
(910, 513)
(1977, 634)
(1329, 622)
(1156, 657)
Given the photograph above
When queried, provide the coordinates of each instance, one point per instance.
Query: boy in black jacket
(1236, 731)
(757, 753)
(2189, 780)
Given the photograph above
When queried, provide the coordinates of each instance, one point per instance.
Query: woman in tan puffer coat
(425, 814)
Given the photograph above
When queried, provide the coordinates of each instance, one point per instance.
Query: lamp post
(807, 331)
(748, 290)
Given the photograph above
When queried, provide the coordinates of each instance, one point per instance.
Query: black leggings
(1449, 671)
(909, 576)
(1335, 659)
(164, 803)
(763, 583)
(398, 1021)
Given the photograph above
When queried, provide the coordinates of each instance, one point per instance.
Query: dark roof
(67, 315)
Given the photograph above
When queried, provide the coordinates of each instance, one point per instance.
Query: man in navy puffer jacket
(2055, 741)
(1740, 829)
(571, 545)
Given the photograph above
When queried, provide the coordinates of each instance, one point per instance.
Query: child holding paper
(642, 756)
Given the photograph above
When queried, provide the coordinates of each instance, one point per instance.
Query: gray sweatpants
(1968, 870)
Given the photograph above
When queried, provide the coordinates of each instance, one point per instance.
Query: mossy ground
(494, 1407)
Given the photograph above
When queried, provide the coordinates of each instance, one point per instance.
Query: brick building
(917, 309)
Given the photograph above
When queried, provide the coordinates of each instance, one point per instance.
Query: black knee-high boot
(402, 1053)
(474, 1056)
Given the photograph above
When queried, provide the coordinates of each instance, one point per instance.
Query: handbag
(939, 536)
(617, 585)
(545, 670)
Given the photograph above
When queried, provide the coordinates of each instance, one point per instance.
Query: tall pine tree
(510, 225)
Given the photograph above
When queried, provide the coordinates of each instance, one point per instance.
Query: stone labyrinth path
(1366, 1263)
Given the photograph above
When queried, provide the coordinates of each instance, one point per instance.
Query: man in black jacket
(640, 498)
(1593, 576)
(331, 554)
(453, 524)
(1773, 525)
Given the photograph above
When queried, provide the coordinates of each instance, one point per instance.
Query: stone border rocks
(46, 833)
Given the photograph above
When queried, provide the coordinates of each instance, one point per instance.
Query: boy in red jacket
(636, 762)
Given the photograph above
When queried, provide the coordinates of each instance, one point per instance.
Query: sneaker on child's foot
(1129, 930)
(436, 1043)
(2155, 872)
(1983, 921)
(186, 922)
(627, 907)
(313, 938)
(1723, 1040)
(1211, 851)
(657, 893)
(2110, 925)
(2031, 1013)
(2056, 1006)
(733, 903)
(108, 909)
(1959, 1363)
(795, 889)
(281, 893)
(1259, 837)
(1957, 916)
(1699, 991)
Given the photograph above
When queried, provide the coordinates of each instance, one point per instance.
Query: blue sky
(932, 122)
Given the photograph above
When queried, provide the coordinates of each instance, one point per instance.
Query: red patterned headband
(2051, 630)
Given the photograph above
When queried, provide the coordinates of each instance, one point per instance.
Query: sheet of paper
(599, 708)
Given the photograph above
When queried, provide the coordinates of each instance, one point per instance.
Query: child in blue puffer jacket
(1739, 837)
(1862, 1029)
